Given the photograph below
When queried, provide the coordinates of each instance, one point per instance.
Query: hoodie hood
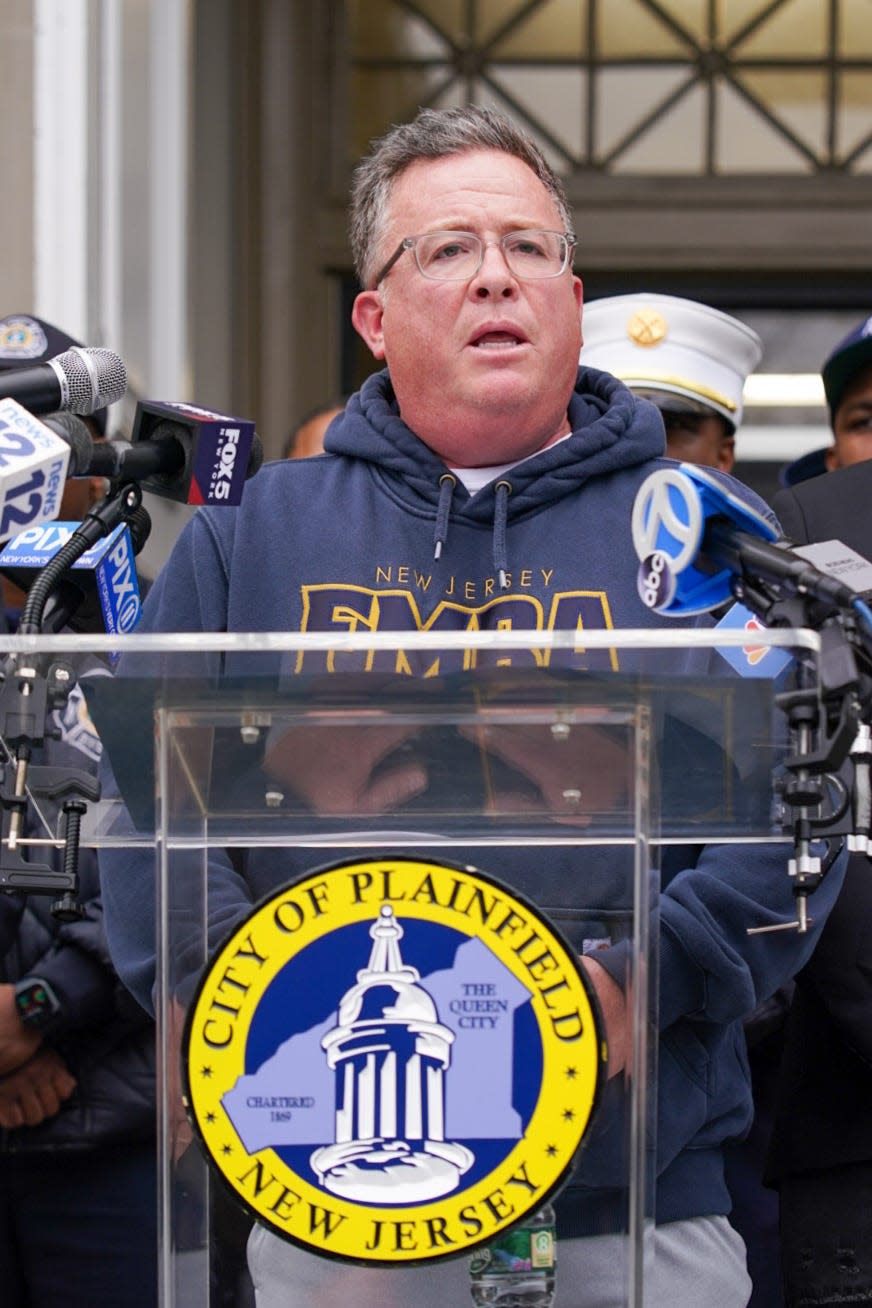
(611, 430)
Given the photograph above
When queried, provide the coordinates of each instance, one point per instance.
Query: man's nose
(494, 277)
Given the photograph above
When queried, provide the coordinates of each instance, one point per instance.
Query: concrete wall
(16, 151)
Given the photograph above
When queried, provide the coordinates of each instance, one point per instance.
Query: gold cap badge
(647, 327)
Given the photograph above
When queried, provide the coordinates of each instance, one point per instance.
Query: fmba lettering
(359, 609)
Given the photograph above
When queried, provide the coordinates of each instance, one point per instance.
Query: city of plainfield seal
(392, 1060)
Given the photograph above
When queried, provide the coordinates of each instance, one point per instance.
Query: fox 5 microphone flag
(33, 470)
(215, 451)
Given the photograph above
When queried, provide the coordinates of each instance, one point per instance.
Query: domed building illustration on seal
(390, 1054)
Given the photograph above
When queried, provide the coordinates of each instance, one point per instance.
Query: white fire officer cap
(677, 353)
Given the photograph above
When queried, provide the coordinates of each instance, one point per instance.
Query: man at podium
(483, 479)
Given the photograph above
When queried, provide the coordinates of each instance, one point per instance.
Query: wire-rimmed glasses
(531, 254)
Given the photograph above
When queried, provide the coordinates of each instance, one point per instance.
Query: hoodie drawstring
(501, 509)
(447, 482)
(502, 491)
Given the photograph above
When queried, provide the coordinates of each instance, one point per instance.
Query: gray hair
(433, 134)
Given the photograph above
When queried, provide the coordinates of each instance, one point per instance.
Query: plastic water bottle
(517, 1269)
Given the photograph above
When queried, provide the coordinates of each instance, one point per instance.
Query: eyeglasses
(457, 256)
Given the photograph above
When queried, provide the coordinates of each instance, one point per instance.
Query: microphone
(75, 434)
(82, 380)
(693, 536)
(100, 592)
(179, 452)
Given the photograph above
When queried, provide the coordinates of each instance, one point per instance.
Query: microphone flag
(215, 450)
(33, 470)
(672, 509)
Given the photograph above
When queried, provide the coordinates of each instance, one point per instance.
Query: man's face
(482, 369)
(852, 425)
(699, 438)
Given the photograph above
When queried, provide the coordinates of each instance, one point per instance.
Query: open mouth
(498, 340)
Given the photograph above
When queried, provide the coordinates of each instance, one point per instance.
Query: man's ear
(727, 453)
(366, 315)
(831, 459)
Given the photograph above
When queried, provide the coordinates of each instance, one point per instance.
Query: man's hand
(18, 1042)
(575, 778)
(347, 770)
(35, 1091)
(613, 1006)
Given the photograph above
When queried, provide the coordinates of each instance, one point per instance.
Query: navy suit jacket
(835, 506)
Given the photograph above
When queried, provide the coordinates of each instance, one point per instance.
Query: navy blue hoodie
(377, 535)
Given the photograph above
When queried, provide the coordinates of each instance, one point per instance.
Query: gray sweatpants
(692, 1264)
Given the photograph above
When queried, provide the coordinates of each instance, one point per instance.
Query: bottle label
(542, 1249)
(520, 1250)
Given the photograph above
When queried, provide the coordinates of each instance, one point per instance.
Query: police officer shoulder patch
(392, 1060)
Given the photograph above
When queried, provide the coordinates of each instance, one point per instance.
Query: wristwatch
(38, 1005)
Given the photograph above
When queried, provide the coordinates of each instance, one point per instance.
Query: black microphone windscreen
(71, 429)
(139, 525)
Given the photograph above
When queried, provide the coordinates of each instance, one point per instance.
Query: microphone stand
(32, 688)
(826, 791)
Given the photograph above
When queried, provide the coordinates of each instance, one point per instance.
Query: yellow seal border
(472, 903)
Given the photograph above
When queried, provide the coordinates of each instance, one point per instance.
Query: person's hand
(613, 1006)
(18, 1042)
(346, 770)
(35, 1091)
(574, 777)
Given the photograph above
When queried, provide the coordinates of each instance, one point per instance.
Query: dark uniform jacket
(823, 1118)
(103, 1035)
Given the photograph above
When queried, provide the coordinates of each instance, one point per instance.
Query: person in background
(821, 1149)
(307, 437)
(78, 1196)
(847, 379)
(690, 360)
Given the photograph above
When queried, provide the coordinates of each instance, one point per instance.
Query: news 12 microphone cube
(107, 569)
(33, 469)
(216, 449)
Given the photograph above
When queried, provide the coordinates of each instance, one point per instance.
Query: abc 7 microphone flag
(672, 510)
(33, 468)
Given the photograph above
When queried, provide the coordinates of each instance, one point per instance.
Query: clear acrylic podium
(558, 771)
